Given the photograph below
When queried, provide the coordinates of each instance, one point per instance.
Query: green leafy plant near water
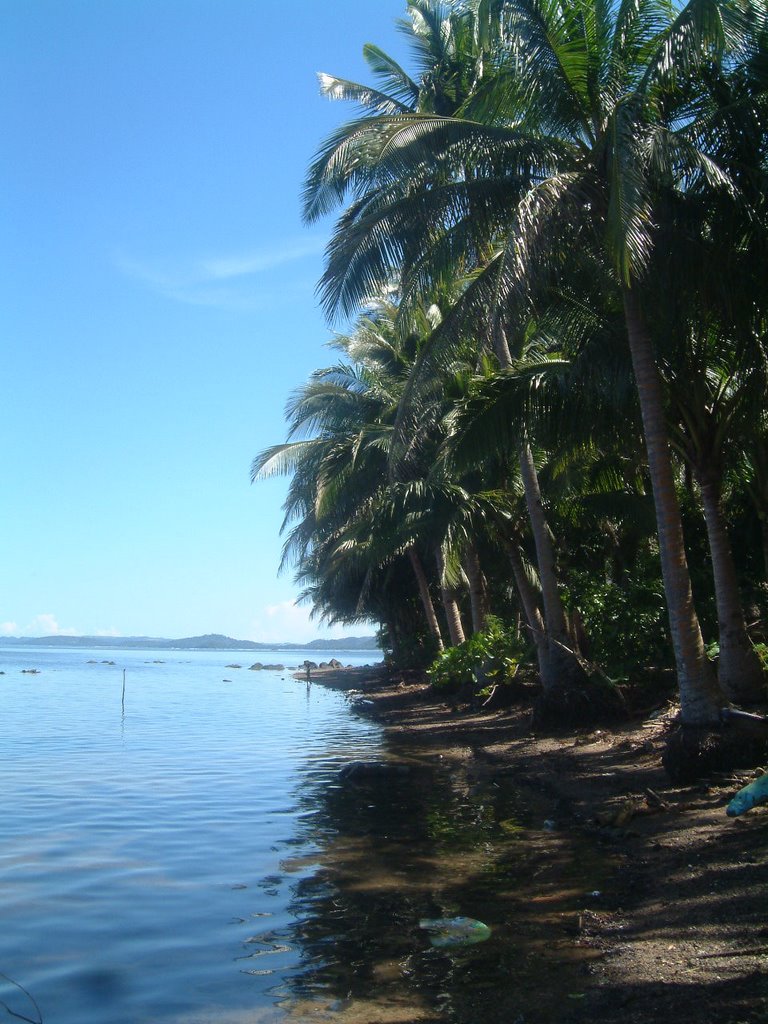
(626, 624)
(483, 661)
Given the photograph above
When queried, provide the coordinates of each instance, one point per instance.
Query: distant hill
(208, 642)
(349, 643)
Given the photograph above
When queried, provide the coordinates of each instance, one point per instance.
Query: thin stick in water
(21, 1016)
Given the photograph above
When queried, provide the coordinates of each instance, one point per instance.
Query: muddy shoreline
(680, 929)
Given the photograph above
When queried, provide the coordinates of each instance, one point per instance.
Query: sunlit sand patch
(309, 1011)
(291, 865)
(222, 1015)
(358, 1011)
(560, 895)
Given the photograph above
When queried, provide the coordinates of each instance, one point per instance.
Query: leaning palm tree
(340, 425)
(712, 390)
(754, 466)
(709, 317)
(588, 109)
(566, 393)
(434, 391)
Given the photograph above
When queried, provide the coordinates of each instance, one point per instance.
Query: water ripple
(131, 842)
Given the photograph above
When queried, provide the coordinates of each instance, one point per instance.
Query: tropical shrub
(626, 624)
(482, 661)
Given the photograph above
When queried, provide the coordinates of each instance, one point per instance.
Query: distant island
(208, 642)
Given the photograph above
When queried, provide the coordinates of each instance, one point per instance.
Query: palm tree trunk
(563, 666)
(530, 605)
(478, 595)
(739, 671)
(764, 532)
(426, 598)
(450, 604)
(759, 496)
(501, 346)
(560, 669)
(699, 695)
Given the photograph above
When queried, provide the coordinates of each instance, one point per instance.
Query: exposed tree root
(587, 703)
(693, 752)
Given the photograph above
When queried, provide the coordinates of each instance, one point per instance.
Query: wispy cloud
(47, 624)
(44, 624)
(260, 261)
(236, 281)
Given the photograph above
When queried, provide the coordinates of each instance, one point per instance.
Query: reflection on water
(432, 843)
(137, 847)
(200, 856)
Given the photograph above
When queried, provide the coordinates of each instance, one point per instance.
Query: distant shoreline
(208, 642)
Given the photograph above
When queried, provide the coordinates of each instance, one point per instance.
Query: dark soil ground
(680, 931)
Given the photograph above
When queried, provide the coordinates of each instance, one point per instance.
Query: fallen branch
(20, 1016)
(491, 695)
(755, 724)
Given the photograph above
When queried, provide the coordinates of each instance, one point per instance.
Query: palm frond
(372, 100)
(394, 78)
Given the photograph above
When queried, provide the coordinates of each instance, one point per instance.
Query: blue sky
(158, 302)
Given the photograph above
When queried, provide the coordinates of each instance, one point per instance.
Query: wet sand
(679, 930)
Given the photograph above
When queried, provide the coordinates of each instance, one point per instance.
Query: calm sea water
(149, 856)
(195, 858)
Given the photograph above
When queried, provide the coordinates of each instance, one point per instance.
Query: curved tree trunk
(426, 597)
(478, 595)
(528, 599)
(764, 535)
(757, 488)
(450, 604)
(739, 671)
(563, 665)
(700, 698)
(530, 605)
(560, 669)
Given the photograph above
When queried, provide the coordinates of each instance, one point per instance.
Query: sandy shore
(351, 678)
(681, 931)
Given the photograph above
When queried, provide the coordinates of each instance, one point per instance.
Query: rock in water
(748, 797)
(455, 931)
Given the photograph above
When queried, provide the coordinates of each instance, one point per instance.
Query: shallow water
(194, 857)
(141, 850)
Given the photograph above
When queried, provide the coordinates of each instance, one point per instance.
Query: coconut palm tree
(711, 392)
(710, 314)
(336, 455)
(563, 146)
(568, 393)
(352, 510)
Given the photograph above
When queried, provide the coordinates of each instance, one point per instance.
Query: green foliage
(626, 624)
(414, 650)
(481, 661)
(541, 156)
(762, 653)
